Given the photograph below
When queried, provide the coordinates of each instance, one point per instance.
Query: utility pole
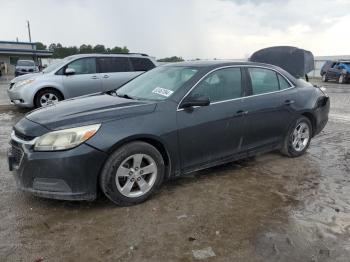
(30, 37)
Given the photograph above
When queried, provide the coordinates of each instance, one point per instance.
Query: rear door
(269, 107)
(211, 133)
(84, 81)
(114, 71)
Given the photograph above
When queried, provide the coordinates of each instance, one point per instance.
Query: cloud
(188, 28)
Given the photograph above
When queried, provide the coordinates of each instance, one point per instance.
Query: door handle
(289, 102)
(94, 77)
(241, 113)
(106, 76)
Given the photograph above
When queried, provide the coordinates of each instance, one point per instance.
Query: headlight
(24, 82)
(66, 138)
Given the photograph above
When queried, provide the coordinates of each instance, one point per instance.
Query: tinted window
(263, 80)
(283, 82)
(25, 63)
(141, 64)
(221, 85)
(113, 64)
(84, 66)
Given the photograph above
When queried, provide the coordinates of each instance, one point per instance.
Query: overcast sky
(187, 28)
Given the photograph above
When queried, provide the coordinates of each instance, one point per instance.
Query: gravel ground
(269, 208)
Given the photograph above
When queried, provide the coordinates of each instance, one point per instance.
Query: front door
(212, 133)
(85, 80)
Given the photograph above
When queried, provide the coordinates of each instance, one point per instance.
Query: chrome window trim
(243, 97)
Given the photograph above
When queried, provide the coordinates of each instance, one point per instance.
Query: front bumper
(18, 99)
(66, 175)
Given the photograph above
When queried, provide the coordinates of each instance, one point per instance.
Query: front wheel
(47, 97)
(298, 138)
(132, 173)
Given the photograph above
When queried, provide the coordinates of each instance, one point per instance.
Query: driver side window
(222, 84)
(84, 66)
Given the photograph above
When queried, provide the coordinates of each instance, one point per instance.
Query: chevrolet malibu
(170, 121)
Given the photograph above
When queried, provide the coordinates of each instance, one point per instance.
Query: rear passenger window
(141, 64)
(283, 82)
(223, 84)
(114, 64)
(263, 80)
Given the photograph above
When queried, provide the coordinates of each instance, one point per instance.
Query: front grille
(17, 155)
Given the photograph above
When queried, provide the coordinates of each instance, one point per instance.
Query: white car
(77, 75)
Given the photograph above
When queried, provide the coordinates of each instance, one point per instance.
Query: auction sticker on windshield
(162, 91)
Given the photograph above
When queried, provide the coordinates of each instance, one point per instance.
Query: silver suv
(77, 75)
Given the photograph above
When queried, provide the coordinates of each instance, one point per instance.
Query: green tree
(99, 49)
(40, 46)
(85, 49)
(171, 59)
(117, 49)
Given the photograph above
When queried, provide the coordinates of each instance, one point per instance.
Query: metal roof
(13, 51)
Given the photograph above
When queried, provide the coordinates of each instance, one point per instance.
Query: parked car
(336, 70)
(170, 121)
(77, 75)
(24, 67)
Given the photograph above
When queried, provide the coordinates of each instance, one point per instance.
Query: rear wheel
(342, 79)
(324, 77)
(47, 97)
(132, 173)
(298, 138)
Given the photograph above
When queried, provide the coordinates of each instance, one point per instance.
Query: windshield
(57, 64)
(157, 84)
(25, 63)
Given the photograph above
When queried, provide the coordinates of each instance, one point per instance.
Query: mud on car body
(170, 121)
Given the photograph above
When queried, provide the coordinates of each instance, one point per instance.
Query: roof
(209, 63)
(14, 51)
(17, 43)
(110, 54)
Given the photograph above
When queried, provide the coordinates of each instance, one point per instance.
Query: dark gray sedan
(168, 122)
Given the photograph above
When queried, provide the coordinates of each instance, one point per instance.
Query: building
(10, 52)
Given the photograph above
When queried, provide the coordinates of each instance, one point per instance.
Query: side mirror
(195, 100)
(69, 71)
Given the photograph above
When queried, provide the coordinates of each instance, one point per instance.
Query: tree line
(60, 51)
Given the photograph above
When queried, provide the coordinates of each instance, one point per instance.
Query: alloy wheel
(136, 175)
(300, 136)
(48, 99)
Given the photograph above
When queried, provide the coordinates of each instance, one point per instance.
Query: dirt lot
(269, 208)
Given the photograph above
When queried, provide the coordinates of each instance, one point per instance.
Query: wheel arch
(152, 140)
(312, 119)
(46, 88)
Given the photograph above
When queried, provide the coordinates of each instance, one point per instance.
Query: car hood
(87, 110)
(25, 77)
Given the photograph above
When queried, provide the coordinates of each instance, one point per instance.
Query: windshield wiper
(125, 96)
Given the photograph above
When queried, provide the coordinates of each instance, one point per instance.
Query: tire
(290, 147)
(52, 95)
(342, 79)
(120, 177)
(324, 78)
